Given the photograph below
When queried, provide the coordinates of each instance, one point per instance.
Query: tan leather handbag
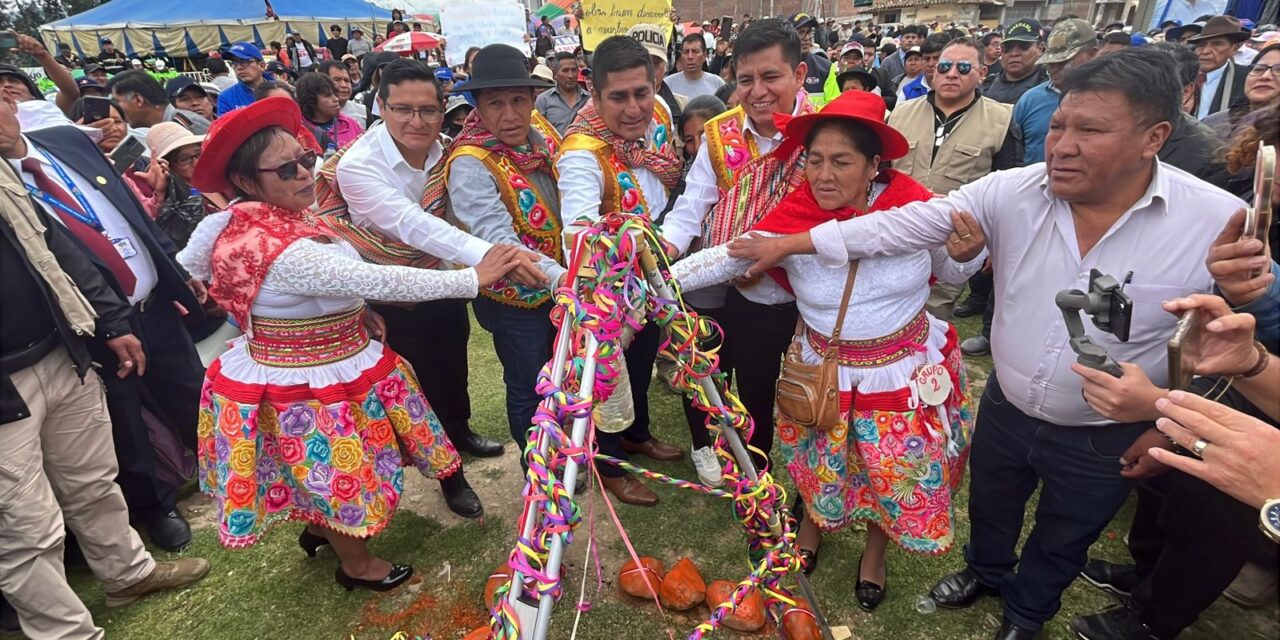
(809, 394)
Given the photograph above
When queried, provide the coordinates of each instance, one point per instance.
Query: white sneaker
(708, 466)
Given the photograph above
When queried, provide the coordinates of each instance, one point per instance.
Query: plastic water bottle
(925, 605)
(619, 411)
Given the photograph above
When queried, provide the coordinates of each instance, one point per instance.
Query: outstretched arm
(708, 267)
(309, 268)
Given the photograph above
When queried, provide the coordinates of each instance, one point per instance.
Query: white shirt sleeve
(581, 186)
(701, 191)
(951, 272)
(708, 267)
(372, 200)
(310, 268)
(479, 207)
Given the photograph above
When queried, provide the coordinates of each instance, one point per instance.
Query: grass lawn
(273, 591)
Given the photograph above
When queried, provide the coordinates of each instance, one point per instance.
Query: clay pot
(631, 578)
(748, 617)
(683, 587)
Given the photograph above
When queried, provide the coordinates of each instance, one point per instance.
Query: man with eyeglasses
(1019, 52)
(250, 69)
(816, 63)
(393, 183)
(957, 137)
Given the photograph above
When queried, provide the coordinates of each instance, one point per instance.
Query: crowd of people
(337, 213)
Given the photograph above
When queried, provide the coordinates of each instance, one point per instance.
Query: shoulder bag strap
(844, 304)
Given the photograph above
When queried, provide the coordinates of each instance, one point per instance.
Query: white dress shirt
(382, 191)
(1163, 239)
(1208, 90)
(117, 227)
(582, 182)
(701, 192)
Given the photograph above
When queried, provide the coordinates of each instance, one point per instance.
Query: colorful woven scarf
(662, 161)
(374, 246)
(254, 237)
(758, 187)
(528, 158)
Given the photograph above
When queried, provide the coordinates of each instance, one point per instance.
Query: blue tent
(190, 28)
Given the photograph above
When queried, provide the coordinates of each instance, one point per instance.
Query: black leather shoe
(168, 531)
(1116, 623)
(1010, 631)
(478, 446)
(869, 594)
(1116, 579)
(960, 590)
(461, 499)
(398, 575)
(310, 542)
(970, 307)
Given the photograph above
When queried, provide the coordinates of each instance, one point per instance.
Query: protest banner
(567, 44)
(604, 18)
(476, 23)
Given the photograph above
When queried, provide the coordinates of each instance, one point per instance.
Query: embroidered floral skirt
(324, 444)
(888, 464)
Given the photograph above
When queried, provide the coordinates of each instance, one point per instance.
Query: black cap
(15, 72)
(801, 20)
(85, 82)
(177, 85)
(1024, 30)
(93, 66)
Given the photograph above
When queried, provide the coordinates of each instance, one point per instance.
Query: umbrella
(410, 42)
(554, 9)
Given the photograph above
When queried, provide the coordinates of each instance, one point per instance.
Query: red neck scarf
(664, 161)
(528, 158)
(799, 212)
(245, 249)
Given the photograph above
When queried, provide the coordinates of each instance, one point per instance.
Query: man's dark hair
(407, 70)
(619, 53)
(325, 66)
(309, 88)
(966, 41)
(1157, 98)
(986, 39)
(935, 43)
(138, 81)
(888, 49)
(260, 92)
(704, 106)
(1185, 58)
(334, 27)
(917, 29)
(762, 34)
(561, 56)
(725, 92)
(1117, 37)
(694, 37)
(215, 66)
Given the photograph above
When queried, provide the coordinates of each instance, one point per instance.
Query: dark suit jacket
(73, 148)
(1236, 88)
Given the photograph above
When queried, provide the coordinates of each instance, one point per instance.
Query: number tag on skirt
(933, 383)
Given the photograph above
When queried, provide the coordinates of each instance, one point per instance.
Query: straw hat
(167, 137)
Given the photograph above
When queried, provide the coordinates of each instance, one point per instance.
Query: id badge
(125, 247)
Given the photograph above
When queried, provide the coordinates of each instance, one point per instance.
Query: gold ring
(1199, 446)
(966, 236)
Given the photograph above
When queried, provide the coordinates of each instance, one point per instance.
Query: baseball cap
(245, 51)
(456, 102)
(93, 67)
(348, 56)
(1172, 22)
(913, 51)
(444, 74)
(16, 72)
(1067, 39)
(800, 20)
(850, 48)
(652, 37)
(176, 86)
(1024, 30)
(87, 83)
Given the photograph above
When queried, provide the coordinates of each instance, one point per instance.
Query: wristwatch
(1269, 519)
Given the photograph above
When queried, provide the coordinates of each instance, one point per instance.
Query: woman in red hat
(897, 458)
(305, 417)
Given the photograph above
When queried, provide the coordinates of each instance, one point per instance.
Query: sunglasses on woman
(289, 170)
(963, 67)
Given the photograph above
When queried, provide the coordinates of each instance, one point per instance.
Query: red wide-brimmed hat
(232, 130)
(862, 107)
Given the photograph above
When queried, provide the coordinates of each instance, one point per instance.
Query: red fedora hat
(861, 107)
(232, 130)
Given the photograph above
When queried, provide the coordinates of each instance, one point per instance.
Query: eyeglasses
(289, 170)
(237, 63)
(185, 159)
(963, 67)
(405, 114)
(1258, 69)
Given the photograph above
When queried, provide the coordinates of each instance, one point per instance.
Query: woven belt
(308, 342)
(876, 352)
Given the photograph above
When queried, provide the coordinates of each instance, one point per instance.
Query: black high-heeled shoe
(808, 557)
(869, 594)
(310, 542)
(397, 576)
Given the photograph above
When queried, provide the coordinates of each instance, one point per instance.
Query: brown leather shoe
(630, 490)
(654, 448)
(166, 575)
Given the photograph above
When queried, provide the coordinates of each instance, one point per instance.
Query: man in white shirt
(1101, 201)
(692, 81)
(382, 178)
(621, 155)
(758, 317)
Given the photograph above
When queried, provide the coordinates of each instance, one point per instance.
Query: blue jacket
(238, 95)
(1031, 120)
(915, 89)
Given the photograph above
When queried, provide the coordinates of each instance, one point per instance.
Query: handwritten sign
(477, 23)
(604, 18)
(567, 44)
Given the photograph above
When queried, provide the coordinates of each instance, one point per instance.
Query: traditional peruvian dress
(305, 417)
(897, 460)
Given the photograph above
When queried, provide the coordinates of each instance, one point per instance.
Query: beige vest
(964, 156)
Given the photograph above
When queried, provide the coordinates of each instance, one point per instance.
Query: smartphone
(1257, 219)
(1120, 314)
(126, 153)
(1184, 350)
(96, 108)
(726, 26)
(8, 40)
